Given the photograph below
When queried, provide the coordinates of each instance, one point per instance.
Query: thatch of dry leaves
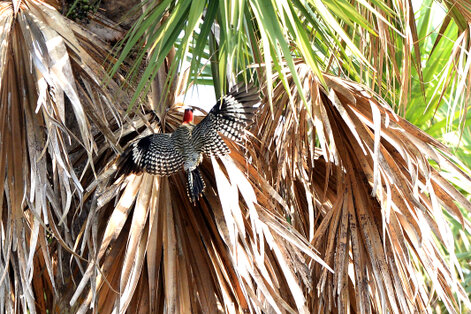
(331, 205)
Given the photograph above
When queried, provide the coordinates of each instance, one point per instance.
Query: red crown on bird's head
(188, 116)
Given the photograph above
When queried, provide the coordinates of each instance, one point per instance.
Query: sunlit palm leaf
(49, 88)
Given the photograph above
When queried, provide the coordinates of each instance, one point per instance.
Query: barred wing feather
(154, 154)
(229, 117)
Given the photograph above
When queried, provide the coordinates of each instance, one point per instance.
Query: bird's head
(188, 116)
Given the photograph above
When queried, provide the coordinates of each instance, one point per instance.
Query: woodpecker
(164, 154)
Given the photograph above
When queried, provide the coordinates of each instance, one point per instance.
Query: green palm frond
(238, 34)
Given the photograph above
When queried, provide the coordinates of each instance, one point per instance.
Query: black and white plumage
(164, 154)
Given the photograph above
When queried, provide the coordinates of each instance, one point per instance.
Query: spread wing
(154, 154)
(229, 117)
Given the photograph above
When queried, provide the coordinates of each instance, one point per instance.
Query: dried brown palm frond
(367, 199)
(154, 251)
(358, 182)
(52, 104)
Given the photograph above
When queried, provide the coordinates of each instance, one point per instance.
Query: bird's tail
(195, 185)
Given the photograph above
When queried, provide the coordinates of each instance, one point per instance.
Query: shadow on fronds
(52, 104)
(359, 184)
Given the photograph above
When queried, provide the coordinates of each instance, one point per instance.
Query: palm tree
(335, 203)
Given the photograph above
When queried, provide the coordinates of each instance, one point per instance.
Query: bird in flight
(164, 154)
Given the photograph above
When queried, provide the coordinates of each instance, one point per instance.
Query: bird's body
(192, 151)
(164, 154)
